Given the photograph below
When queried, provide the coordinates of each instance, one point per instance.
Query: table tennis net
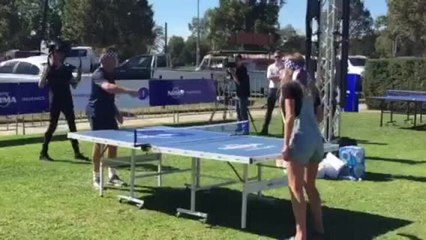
(200, 133)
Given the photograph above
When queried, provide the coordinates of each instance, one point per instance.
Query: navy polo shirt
(101, 103)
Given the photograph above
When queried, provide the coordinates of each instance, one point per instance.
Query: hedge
(395, 73)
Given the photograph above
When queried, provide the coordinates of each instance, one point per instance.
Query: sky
(178, 13)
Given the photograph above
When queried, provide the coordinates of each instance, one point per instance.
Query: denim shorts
(305, 149)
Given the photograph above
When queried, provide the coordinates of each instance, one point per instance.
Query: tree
(177, 49)
(128, 24)
(159, 41)
(407, 25)
(190, 49)
(259, 16)
(291, 41)
(361, 22)
(361, 32)
(20, 23)
(384, 44)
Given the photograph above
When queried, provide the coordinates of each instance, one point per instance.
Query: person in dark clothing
(242, 82)
(58, 77)
(103, 113)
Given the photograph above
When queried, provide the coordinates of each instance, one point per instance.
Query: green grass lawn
(56, 200)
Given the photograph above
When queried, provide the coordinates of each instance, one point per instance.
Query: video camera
(60, 46)
(230, 62)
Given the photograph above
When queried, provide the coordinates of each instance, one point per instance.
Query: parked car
(356, 64)
(137, 67)
(89, 60)
(16, 53)
(27, 69)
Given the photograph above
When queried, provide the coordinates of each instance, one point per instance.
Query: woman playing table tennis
(102, 112)
(303, 145)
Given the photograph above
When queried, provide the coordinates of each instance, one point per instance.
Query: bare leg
(314, 196)
(112, 153)
(295, 173)
(96, 156)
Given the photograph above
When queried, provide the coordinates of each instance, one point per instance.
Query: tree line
(129, 24)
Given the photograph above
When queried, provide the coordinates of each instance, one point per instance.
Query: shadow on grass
(382, 177)
(415, 128)
(396, 160)
(346, 141)
(409, 236)
(267, 216)
(72, 161)
(25, 140)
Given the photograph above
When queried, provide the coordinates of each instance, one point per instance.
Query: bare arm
(289, 120)
(288, 112)
(115, 89)
(76, 80)
(319, 113)
(234, 76)
(111, 88)
(43, 80)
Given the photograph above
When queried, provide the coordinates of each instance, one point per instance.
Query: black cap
(60, 46)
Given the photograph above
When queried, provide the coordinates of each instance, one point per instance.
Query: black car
(138, 67)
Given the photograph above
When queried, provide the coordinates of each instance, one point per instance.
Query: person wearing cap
(58, 77)
(273, 75)
(102, 111)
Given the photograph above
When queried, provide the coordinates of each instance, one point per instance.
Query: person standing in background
(242, 83)
(273, 75)
(58, 77)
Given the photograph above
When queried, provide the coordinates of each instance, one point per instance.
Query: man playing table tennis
(102, 111)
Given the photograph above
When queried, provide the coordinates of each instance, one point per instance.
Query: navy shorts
(98, 123)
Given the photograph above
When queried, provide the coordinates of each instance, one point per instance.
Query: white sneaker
(116, 181)
(97, 183)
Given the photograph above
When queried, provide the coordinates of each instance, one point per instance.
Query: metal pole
(44, 20)
(198, 34)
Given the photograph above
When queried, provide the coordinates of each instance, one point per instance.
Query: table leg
(101, 170)
(415, 113)
(259, 177)
(132, 198)
(244, 198)
(159, 169)
(382, 106)
(132, 174)
(195, 184)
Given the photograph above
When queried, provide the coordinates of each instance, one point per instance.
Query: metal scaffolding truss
(327, 49)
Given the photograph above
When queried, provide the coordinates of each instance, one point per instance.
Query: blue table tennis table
(221, 142)
(417, 98)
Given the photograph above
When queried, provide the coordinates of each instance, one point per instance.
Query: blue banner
(23, 98)
(8, 99)
(179, 92)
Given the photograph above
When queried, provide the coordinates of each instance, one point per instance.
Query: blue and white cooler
(354, 158)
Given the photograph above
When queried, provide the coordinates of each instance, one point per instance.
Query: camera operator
(242, 81)
(58, 78)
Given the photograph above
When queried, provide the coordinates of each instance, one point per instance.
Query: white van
(356, 64)
(89, 60)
